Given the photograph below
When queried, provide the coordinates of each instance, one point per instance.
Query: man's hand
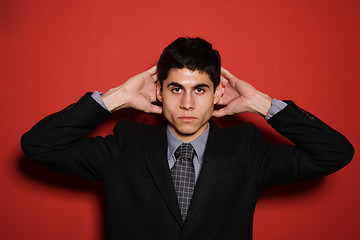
(137, 92)
(239, 96)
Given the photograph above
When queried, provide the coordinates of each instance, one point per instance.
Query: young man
(185, 179)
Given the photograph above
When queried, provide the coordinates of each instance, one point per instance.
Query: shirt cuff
(97, 97)
(276, 106)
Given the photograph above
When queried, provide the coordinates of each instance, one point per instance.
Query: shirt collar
(198, 144)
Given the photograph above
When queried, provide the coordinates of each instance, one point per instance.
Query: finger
(223, 80)
(222, 102)
(155, 77)
(228, 75)
(226, 72)
(152, 70)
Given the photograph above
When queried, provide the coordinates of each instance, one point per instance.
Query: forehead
(188, 77)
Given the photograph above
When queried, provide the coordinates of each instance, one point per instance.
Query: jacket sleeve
(319, 150)
(58, 142)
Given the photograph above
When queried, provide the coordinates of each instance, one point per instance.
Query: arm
(319, 150)
(58, 142)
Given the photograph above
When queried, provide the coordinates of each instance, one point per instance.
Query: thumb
(221, 112)
(154, 109)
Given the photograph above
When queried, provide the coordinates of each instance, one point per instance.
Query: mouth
(187, 119)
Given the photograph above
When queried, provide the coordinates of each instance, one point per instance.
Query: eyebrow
(175, 84)
(201, 85)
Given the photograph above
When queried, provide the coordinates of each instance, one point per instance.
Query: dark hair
(193, 54)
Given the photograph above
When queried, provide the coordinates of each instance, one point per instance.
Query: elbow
(25, 143)
(346, 154)
(36, 151)
(349, 154)
(29, 145)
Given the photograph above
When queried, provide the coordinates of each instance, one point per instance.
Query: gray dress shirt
(198, 144)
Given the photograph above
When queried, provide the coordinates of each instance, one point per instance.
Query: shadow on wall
(42, 175)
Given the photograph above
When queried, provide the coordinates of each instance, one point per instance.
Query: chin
(185, 130)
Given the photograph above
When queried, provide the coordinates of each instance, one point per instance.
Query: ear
(219, 91)
(158, 91)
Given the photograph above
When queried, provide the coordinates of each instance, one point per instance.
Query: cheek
(169, 103)
(206, 104)
(169, 108)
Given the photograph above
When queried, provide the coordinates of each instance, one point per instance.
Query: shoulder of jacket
(240, 131)
(135, 128)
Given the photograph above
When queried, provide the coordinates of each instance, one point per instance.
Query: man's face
(188, 100)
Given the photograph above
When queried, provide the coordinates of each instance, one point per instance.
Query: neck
(187, 138)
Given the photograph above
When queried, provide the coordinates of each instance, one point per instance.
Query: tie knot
(185, 150)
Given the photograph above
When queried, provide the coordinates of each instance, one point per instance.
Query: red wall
(52, 52)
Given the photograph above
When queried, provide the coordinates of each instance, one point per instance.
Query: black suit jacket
(132, 163)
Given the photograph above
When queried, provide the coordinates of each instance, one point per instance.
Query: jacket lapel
(155, 153)
(217, 154)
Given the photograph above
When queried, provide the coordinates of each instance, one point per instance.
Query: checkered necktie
(183, 175)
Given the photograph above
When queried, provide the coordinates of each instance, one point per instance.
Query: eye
(199, 90)
(176, 90)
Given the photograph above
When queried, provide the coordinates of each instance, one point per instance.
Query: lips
(187, 119)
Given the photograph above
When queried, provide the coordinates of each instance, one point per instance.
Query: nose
(187, 102)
